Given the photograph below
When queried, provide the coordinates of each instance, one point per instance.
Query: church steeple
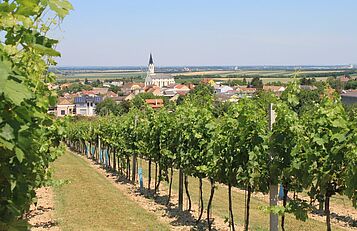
(151, 65)
(150, 59)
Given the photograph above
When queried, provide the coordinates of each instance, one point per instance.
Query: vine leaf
(7, 132)
(17, 92)
(61, 7)
(19, 154)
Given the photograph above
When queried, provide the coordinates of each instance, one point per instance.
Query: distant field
(266, 75)
(280, 73)
(222, 73)
(103, 75)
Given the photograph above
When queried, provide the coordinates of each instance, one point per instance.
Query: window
(63, 112)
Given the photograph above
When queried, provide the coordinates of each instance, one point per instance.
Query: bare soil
(41, 214)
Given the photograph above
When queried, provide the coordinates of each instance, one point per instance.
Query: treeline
(286, 75)
(310, 147)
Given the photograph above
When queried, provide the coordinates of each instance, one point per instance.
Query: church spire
(151, 61)
(151, 65)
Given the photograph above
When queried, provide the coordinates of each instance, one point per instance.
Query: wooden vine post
(273, 187)
(180, 199)
(134, 170)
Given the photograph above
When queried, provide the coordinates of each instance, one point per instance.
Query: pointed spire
(151, 61)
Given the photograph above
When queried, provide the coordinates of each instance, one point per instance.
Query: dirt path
(41, 215)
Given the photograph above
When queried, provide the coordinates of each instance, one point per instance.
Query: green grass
(259, 220)
(91, 202)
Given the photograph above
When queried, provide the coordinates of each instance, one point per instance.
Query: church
(158, 79)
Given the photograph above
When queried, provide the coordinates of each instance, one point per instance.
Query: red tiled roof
(154, 101)
(181, 87)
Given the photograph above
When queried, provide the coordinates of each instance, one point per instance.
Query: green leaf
(12, 184)
(7, 132)
(15, 91)
(61, 7)
(27, 7)
(19, 154)
(46, 50)
(6, 144)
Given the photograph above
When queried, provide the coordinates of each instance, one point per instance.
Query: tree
(139, 99)
(106, 107)
(115, 89)
(257, 83)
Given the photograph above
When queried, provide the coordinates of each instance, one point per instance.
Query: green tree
(257, 83)
(106, 107)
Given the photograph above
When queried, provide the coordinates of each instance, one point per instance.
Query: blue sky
(209, 32)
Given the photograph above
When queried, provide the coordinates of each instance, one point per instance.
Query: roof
(154, 101)
(64, 101)
(135, 85)
(87, 98)
(246, 89)
(351, 93)
(273, 88)
(111, 94)
(100, 90)
(182, 87)
(160, 76)
(151, 61)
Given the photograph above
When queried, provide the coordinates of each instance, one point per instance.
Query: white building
(65, 107)
(158, 79)
(85, 105)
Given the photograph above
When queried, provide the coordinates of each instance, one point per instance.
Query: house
(224, 97)
(65, 86)
(275, 89)
(222, 89)
(111, 94)
(208, 81)
(134, 88)
(349, 97)
(246, 91)
(155, 103)
(174, 89)
(65, 106)
(344, 79)
(85, 105)
(153, 89)
(181, 88)
(100, 90)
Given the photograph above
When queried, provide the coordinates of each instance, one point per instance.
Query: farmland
(267, 76)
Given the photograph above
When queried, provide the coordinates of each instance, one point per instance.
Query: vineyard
(309, 149)
(305, 143)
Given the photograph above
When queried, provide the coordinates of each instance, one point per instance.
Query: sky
(209, 32)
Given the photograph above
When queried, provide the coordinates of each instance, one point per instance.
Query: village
(82, 97)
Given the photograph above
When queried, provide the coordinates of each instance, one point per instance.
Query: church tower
(151, 65)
